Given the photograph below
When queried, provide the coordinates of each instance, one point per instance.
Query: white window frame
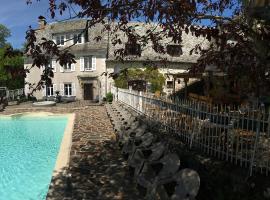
(87, 63)
(50, 91)
(69, 89)
(53, 65)
(67, 67)
(76, 38)
(62, 38)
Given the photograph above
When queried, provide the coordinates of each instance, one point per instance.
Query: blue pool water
(28, 150)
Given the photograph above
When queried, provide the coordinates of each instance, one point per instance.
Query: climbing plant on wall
(149, 74)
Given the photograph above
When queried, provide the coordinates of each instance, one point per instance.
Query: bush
(109, 97)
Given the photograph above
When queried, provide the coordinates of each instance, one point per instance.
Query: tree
(4, 34)
(170, 18)
(242, 51)
(12, 72)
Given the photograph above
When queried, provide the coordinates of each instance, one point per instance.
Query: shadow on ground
(96, 173)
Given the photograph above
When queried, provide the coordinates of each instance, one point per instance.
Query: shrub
(109, 97)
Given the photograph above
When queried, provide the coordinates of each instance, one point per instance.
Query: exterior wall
(72, 77)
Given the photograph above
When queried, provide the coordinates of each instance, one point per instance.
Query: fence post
(116, 94)
(140, 101)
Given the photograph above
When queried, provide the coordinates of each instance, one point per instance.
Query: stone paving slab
(97, 170)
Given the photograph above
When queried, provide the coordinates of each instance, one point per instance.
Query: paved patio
(97, 170)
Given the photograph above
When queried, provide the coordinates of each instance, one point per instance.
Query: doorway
(88, 91)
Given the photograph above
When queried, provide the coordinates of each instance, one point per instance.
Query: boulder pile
(156, 170)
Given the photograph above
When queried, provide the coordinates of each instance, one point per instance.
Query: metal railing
(12, 95)
(239, 137)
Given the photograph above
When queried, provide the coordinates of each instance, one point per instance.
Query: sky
(17, 16)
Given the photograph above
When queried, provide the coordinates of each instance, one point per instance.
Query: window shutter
(44, 91)
(73, 89)
(61, 68)
(94, 62)
(54, 65)
(54, 88)
(82, 64)
(73, 67)
(71, 39)
(83, 38)
(54, 39)
(62, 89)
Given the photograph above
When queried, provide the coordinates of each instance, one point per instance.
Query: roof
(148, 53)
(67, 26)
(100, 47)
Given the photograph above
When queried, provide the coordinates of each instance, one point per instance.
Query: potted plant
(58, 97)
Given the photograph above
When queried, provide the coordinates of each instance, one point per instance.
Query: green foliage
(156, 79)
(109, 97)
(14, 63)
(4, 34)
(150, 74)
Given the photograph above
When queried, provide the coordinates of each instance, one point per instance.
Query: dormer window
(60, 40)
(133, 49)
(78, 38)
(174, 50)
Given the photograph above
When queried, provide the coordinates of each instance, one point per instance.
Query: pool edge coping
(63, 157)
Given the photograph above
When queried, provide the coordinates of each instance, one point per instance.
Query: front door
(88, 91)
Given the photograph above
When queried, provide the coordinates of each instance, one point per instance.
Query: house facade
(85, 79)
(82, 79)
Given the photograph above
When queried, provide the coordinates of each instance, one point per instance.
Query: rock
(188, 184)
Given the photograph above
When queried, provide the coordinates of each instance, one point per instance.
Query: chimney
(41, 22)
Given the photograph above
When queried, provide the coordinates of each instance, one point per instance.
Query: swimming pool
(29, 147)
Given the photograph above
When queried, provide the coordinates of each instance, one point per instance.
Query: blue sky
(17, 16)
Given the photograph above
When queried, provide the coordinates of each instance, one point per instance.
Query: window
(169, 84)
(133, 49)
(60, 40)
(174, 50)
(77, 38)
(68, 89)
(88, 63)
(50, 66)
(46, 67)
(67, 67)
(50, 90)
